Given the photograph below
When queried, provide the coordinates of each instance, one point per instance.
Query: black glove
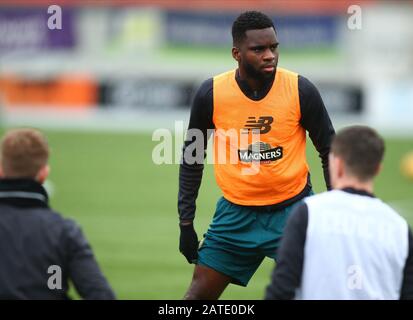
(188, 242)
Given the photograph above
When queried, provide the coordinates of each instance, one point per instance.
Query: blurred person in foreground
(346, 243)
(259, 98)
(40, 250)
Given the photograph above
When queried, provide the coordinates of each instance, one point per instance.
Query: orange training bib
(262, 169)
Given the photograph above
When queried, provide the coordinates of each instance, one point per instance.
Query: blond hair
(23, 153)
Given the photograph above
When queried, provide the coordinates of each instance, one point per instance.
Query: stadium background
(118, 70)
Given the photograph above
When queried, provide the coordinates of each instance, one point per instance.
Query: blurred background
(101, 79)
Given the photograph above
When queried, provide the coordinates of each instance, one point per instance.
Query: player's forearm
(324, 164)
(190, 177)
(315, 119)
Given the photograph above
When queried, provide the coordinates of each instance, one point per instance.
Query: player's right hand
(188, 242)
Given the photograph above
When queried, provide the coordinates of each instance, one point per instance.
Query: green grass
(126, 205)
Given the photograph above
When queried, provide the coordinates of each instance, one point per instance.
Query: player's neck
(350, 182)
(255, 84)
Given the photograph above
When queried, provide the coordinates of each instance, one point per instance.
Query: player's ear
(331, 164)
(236, 54)
(333, 169)
(1, 171)
(43, 174)
(341, 168)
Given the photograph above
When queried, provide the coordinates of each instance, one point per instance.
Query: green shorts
(239, 238)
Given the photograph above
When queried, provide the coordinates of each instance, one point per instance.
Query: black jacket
(35, 242)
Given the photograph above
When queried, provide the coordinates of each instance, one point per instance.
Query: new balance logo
(263, 124)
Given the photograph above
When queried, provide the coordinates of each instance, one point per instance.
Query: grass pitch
(127, 206)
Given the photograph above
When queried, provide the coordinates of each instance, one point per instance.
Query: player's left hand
(188, 242)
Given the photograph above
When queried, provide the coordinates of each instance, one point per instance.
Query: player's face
(258, 53)
(334, 169)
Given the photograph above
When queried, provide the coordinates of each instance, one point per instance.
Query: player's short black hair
(249, 20)
(361, 149)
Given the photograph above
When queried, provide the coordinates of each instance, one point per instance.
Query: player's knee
(198, 288)
(197, 292)
(206, 284)
(193, 295)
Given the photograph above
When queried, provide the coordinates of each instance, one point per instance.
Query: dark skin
(257, 57)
